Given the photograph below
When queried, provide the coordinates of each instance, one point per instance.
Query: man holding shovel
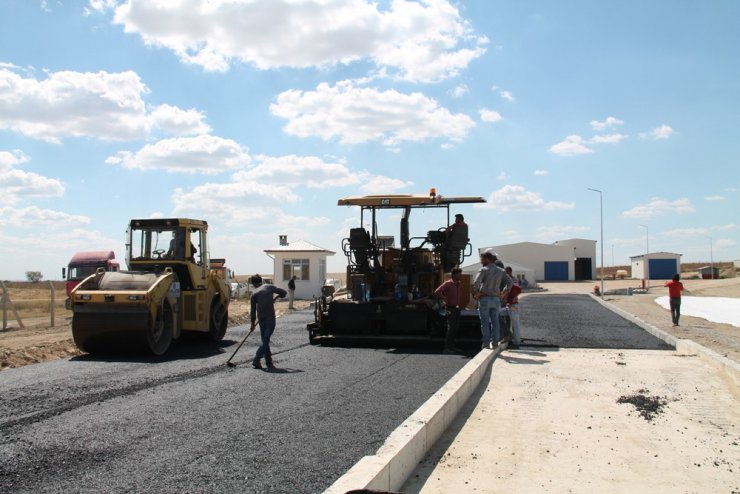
(262, 306)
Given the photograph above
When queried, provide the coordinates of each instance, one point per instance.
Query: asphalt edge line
(407, 445)
(684, 346)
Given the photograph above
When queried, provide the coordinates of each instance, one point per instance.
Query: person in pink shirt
(450, 292)
(675, 287)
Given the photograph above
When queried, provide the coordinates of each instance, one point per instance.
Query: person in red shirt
(674, 294)
(512, 304)
(449, 292)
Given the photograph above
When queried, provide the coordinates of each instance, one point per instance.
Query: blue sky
(258, 115)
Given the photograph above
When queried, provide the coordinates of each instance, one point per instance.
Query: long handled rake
(229, 362)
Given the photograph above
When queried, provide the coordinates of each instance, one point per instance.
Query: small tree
(34, 276)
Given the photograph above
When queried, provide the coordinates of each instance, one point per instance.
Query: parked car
(238, 290)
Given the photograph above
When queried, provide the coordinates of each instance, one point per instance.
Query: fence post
(5, 311)
(6, 302)
(51, 287)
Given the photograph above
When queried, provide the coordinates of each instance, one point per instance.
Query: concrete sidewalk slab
(549, 421)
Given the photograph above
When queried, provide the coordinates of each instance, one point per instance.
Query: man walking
(262, 305)
(291, 292)
(674, 295)
(486, 286)
(449, 292)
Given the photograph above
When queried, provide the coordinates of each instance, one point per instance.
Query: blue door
(662, 269)
(556, 270)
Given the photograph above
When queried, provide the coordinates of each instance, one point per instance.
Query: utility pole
(601, 222)
(711, 259)
(646, 264)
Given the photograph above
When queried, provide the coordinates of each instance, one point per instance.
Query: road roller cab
(168, 288)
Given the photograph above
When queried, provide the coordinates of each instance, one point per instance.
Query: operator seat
(457, 239)
(359, 246)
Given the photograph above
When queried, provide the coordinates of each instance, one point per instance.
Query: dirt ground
(722, 338)
(36, 344)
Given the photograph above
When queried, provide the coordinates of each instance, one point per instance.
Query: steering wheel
(158, 253)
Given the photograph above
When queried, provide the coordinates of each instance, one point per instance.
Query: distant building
(302, 259)
(564, 260)
(660, 265)
(709, 273)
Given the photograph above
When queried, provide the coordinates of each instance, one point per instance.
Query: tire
(218, 320)
(159, 332)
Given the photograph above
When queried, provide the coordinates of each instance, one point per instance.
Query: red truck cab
(83, 264)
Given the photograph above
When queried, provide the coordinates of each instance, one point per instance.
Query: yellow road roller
(168, 288)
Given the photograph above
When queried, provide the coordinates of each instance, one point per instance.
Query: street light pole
(601, 223)
(711, 260)
(646, 264)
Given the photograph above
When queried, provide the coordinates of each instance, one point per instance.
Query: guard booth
(709, 273)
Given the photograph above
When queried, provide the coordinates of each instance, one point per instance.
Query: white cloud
(421, 41)
(714, 198)
(503, 176)
(199, 154)
(176, 121)
(657, 207)
(609, 122)
(103, 105)
(459, 91)
(384, 185)
(662, 132)
(490, 116)
(726, 228)
(34, 217)
(556, 232)
(724, 243)
(308, 171)
(9, 159)
(541, 173)
(607, 138)
(357, 115)
(234, 201)
(517, 198)
(506, 95)
(571, 145)
(18, 184)
(686, 232)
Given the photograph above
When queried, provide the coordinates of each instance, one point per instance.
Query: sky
(258, 115)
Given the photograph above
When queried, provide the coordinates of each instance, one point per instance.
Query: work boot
(256, 363)
(270, 365)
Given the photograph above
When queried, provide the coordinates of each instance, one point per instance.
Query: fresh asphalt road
(188, 423)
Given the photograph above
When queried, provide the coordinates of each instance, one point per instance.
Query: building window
(295, 267)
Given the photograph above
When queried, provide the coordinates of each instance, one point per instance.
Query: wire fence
(31, 305)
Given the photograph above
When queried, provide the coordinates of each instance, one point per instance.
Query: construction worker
(449, 292)
(291, 291)
(262, 306)
(487, 290)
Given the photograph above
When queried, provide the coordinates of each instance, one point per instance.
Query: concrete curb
(726, 366)
(402, 451)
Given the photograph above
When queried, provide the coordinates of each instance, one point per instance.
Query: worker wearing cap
(262, 305)
(487, 290)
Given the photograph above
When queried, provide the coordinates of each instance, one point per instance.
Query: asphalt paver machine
(389, 292)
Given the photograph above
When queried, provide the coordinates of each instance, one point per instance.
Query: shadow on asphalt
(182, 349)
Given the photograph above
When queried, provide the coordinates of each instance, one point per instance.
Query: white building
(584, 257)
(565, 260)
(302, 259)
(660, 265)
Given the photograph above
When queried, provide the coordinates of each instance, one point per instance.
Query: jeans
(675, 309)
(516, 336)
(267, 327)
(453, 323)
(488, 308)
